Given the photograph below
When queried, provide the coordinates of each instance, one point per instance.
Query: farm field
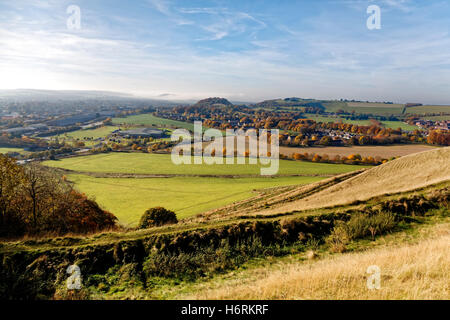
(128, 198)
(372, 108)
(399, 124)
(150, 120)
(336, 119)
(113, 180)
(6, 150)
(364, 151)
(88, 134)
(145, 163)
(387, 124)
(428, 109)
(437, 118)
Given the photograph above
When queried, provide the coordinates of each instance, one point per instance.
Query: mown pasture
(382, 109)
(7, 149)
(148, 119)
(128, 198)
(428, 109)
(148, 163)
(116, 181)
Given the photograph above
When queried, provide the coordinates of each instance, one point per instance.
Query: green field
(399, 124)
(145, 163)
(428, 109)
(188, 192)
(367, 108)
(437, 118)
(128, 198)
(150, 120)
(6, 150)
(96, 133)
(387, 124)
(337, 119)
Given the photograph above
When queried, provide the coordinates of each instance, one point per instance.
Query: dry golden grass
(404, 174)
(411, 271)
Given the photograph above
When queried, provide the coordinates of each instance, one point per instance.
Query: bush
(157, 217)
(360, 226)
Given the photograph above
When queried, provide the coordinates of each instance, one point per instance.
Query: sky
(241, 50)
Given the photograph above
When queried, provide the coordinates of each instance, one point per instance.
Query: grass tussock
(360, 226)
(418, 271)
(411, 271)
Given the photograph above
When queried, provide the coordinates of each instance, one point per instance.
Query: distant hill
(290, 102)
(52, 96)
(210, 102)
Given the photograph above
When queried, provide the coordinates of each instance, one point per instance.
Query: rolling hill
(404, 174)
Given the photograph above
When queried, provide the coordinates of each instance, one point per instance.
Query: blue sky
(241, 50)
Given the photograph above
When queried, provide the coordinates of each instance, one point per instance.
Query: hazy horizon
(179, 50)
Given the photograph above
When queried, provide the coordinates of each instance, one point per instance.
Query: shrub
(360, 226)
(157, 217)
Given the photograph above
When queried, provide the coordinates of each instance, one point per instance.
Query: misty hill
(66, 101)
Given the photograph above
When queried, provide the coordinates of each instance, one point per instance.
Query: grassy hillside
(406, 173)
(385, 152)
(413, 266)
(293, 253)
(428, 109)
(210, 259)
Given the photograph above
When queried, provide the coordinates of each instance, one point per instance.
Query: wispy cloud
(169, 49)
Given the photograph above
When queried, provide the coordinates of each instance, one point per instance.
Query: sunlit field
(144, 163)
(128, 198)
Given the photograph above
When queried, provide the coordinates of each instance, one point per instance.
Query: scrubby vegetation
(34, 201)
(198, 253)
(156, 217)
(360, 226)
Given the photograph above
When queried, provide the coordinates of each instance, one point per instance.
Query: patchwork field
(365, 151)
(129, 183)
(411, 172)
